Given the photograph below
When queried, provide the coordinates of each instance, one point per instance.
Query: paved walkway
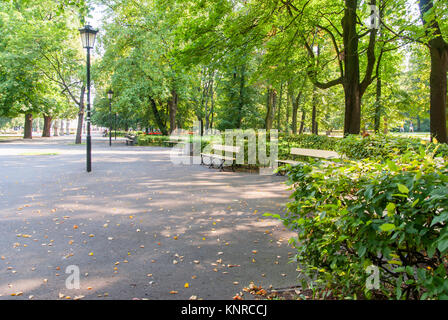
(137, 226)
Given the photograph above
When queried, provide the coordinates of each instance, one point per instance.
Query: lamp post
(88, 35)
(110, 94)
(116, 125)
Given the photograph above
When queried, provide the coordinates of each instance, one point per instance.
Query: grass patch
(39, 154)
(6, 138)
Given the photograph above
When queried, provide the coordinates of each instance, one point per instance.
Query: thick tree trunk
(172, 107)
(47, 126)
(439, 66)
(295, 107)
(352, 121)
(159, 121)
(438, 84)
(28, 131)
(79, 127)
(67, 126)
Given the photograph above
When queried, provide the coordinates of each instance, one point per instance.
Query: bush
(394, 215)
(381, 147)
(151, 140)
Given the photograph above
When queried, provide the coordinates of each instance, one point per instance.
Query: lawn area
(8, 138)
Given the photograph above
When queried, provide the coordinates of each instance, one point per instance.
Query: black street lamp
(110, 94)
(116, 115)
(88, 35)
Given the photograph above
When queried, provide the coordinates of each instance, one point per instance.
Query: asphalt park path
(137, 226)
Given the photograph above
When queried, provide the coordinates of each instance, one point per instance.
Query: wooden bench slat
(315, 153)
(226, 148)
(217, 156)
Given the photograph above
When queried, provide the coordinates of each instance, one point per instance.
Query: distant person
(411, 127)
(402, 127)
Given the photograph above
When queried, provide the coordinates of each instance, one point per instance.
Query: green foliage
(382, 147)
(37, 48)
(152, 140)
(350, 215)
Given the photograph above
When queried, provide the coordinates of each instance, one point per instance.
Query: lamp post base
(89, 153)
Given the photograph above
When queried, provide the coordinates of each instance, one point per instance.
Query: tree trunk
(352, 121)
(313, 120)
(295, 107)
(378, 102)
(314, 129)
(279, 108)
(438, 49)
(28, 131)
(302, 121)
(159, 121)
(289, 101)
(212, 106)
(36, 124)
(172, 106)
(61, 127)
(79, 128)
(47, 126)
(67, 126)
(241, 98)
(55, 128)
(378, 107)
(271, 97)
(201, 124)
(438, 85)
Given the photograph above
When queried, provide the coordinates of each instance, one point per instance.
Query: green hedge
(393, 215)
(152, 140)
(380, 147)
